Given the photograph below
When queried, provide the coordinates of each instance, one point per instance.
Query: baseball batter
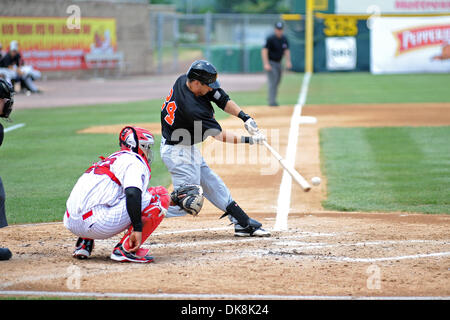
(187, 118)
(112, 196)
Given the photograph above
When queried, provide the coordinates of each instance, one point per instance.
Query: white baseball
(315, 181)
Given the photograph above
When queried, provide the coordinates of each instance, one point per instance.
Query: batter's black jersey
(187, 119)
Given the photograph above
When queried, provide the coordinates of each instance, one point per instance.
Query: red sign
(416, 38)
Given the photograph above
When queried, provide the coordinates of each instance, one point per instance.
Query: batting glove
(251, 126)
(259, 138)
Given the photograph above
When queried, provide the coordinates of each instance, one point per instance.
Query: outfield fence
(232, 42)
(330, 43)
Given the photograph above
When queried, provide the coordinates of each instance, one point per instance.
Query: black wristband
(245, 139)
(137, 227)
(243, 116)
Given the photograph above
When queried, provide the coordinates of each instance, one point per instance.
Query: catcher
(111, 196)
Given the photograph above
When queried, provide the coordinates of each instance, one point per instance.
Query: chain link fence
(232, 42)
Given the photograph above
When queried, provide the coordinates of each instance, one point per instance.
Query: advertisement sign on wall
(391, 6)
(47, 43)
(341, 53)
(410, 44)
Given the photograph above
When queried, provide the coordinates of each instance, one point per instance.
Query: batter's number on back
(170, 107)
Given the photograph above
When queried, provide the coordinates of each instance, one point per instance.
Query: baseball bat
(292, 172)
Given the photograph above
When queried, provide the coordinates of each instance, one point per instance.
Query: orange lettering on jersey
(167, 99)
(171, 108)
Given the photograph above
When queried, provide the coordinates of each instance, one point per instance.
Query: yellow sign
(320, 4)
(340, 26)
(53, 44)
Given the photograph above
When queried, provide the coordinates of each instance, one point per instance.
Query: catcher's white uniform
(96, 207)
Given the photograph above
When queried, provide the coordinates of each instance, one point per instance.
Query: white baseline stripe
(14, 127)
(191, 230)
(228, 241)
(284, 197)
(414, 256)
(210, 296)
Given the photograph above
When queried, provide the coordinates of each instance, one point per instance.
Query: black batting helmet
(204, 72)
(7, 93)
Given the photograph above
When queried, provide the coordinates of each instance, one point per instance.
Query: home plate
(307, 120)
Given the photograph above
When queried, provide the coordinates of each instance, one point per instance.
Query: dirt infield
(323, 253)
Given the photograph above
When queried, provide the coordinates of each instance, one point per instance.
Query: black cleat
(5, 254)
(121, 255)
(83, 248)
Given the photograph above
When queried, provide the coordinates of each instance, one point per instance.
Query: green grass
(287, 94)
(387, 169)
(354, 88)
(42, 161)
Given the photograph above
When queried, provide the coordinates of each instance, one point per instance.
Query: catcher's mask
(138, 140)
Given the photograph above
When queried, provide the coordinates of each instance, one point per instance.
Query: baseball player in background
(112, 196)
(187, 118)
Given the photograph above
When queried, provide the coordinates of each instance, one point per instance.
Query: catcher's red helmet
(138, 140)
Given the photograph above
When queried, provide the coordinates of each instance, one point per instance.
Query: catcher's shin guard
(152, 216)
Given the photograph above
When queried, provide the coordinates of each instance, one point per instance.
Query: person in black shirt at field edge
(272, 54)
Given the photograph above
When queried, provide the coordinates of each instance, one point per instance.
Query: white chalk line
(306, 245)
(236, 240)
(110, 242)
(191, 230)
(185, 296)
(242, 254)
(284, 196)
(259, 253)
(14, 127)
(302, 246)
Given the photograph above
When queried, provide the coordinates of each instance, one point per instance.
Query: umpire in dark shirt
(276, 47)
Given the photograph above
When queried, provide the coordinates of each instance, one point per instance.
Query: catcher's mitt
(188, 197)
